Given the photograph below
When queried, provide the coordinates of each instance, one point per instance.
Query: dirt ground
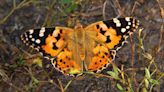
(139, 63)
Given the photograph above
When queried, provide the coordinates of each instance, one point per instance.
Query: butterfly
(74, 51)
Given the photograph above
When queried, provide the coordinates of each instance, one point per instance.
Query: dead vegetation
(137, 67)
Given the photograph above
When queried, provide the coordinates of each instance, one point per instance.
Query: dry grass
(138, 66)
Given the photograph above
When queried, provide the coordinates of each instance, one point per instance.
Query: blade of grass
(66, 87)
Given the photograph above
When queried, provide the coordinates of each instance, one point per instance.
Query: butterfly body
(82, 49)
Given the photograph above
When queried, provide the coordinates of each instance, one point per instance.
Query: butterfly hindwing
(101, 58)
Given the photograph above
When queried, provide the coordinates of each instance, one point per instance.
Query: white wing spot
(30, 36)
(37, 41)
(129, 23)
(41, 33)
(117, 22)
(31, 31)
(127, 18)
(115, 19)
(42, 30)
(26, 39)
(123, 30)
(33, 39)
(127, 27)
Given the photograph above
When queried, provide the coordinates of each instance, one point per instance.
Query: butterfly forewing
(48, 41)
(114, 32)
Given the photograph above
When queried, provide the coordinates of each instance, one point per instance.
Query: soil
(20, 69)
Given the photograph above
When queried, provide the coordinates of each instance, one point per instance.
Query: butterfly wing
(54, 43)
(114, 32)
(109, 37)
(48, 41)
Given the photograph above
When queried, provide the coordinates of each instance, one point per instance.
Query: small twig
(14, 86)
(103, 11)
(92, 14)
(66, 87)
(50, 11)
(6, 79)
(162, 28)
(20, 5)
(134, 6)
(118, 6)
(29, 55)
(94, 8)
(6, 17)
(64, 14)
(132, 51)
(61, 86)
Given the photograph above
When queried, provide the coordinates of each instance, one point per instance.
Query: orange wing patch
(49, 45)
(101, 59)
(112, 35)
(65, 62)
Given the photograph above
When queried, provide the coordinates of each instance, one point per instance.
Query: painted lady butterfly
(74, 51)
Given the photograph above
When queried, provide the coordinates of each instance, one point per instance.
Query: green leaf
(115, 69)
(113, 74)
(119, 87)
(74, 71)
(71, 8)
(66, 1)
(38, 61)
(144, 90)
(147, 73)
(153, 81)
(35, 81)
(146, 83)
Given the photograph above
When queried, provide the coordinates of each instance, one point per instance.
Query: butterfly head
(78, 25)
